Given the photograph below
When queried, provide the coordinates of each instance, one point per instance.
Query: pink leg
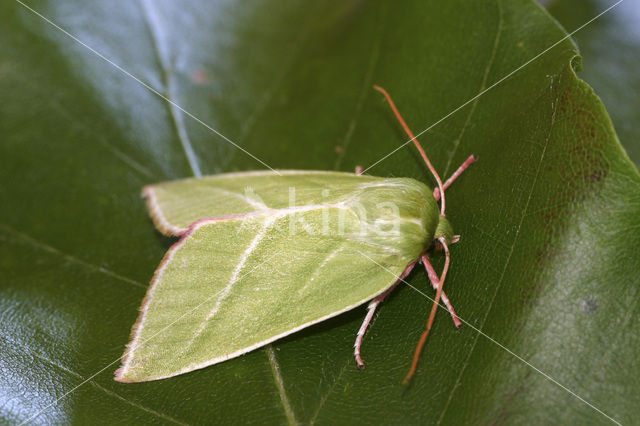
(454, 240)
(359, 170)
(434, 309)
(454, 176)
(435, 281)
(371, 310)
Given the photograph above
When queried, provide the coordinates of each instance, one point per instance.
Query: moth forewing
(237, 282)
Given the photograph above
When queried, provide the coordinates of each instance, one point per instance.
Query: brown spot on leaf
(200, 76)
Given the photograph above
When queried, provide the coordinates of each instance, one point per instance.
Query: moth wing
(175, 205)
(231, 286)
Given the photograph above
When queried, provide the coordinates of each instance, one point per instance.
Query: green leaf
(549, 215)
(610, 48)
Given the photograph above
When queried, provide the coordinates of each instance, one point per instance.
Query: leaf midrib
(506, 264)
(168, 94)
(457, 143)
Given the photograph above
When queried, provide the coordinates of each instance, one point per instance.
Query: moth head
(444, 229)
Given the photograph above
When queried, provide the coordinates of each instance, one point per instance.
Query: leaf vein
(168, 92)
(268, 96)
(107, 391)
(483, 86)
(366, 88)
(53, 250)
(275, 369)
(506, 264)
(324, 398)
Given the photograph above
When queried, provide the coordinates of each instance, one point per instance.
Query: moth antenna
(432, 315)
(416, 143)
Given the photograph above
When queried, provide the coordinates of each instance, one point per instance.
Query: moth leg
(435, 280)
(371, 310)
(359, 170)
(434, 309)
(454, 239)
(367, 319)
(454, 176)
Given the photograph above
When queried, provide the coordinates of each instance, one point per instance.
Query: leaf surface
(610, 71)
(549, 215)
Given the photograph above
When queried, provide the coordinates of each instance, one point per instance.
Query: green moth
(264, 254)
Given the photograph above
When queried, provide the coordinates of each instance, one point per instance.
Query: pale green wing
(177, 204)
(264, 255)
(230, 286)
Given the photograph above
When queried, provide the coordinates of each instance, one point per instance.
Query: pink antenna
(417, 144)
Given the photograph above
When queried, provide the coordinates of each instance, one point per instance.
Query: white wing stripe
(322, 264)
(234, 277)
(253, 203)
